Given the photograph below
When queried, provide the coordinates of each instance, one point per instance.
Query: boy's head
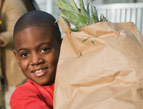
(37, 43)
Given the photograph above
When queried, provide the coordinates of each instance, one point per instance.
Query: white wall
(116, 1)
(140, 0)
(119, 1)
(48, 6)
(42, 4)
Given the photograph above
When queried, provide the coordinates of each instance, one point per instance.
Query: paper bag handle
(65, 28)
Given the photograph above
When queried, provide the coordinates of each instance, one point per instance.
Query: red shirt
(32, 96)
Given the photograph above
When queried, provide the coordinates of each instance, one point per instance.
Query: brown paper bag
(100, 67)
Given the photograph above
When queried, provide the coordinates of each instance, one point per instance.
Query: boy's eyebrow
(45, 43)
(20, 49)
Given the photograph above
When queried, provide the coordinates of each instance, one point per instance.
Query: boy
(37, 42)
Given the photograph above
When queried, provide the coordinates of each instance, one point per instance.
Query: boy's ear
(16, 55)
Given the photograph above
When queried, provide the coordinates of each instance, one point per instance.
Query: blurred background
(114, 10)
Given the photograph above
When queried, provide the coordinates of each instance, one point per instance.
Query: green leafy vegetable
(78, 16)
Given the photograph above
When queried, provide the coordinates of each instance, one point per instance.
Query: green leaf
(94, 15)
(78, 16)
(93, 42)
(75, 18)
(57, 20)
(87, 10)
(75, 29)
(84, 40)
(64, 5)
(73, 4)
(82, 9)
(103, 18)
(72, 21)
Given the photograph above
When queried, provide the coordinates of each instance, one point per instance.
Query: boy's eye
(45, 50)
(24, 55)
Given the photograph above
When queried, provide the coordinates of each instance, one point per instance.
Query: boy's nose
(36, 59)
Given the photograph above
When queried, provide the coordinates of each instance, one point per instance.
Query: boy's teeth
(38, 71)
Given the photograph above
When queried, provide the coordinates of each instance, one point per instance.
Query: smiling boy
(37, 42)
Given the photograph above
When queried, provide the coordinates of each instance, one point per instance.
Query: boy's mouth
(39, 72)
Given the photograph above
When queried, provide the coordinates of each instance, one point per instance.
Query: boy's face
(37, 53)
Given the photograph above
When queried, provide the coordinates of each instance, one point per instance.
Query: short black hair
(38, 18)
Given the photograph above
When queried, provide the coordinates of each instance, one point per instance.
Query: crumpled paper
(100, 67)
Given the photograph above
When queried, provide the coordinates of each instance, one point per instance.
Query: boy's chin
(44, 83)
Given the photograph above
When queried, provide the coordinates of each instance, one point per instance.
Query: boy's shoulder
(30, 94)
(32, 89)
(25, 89)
